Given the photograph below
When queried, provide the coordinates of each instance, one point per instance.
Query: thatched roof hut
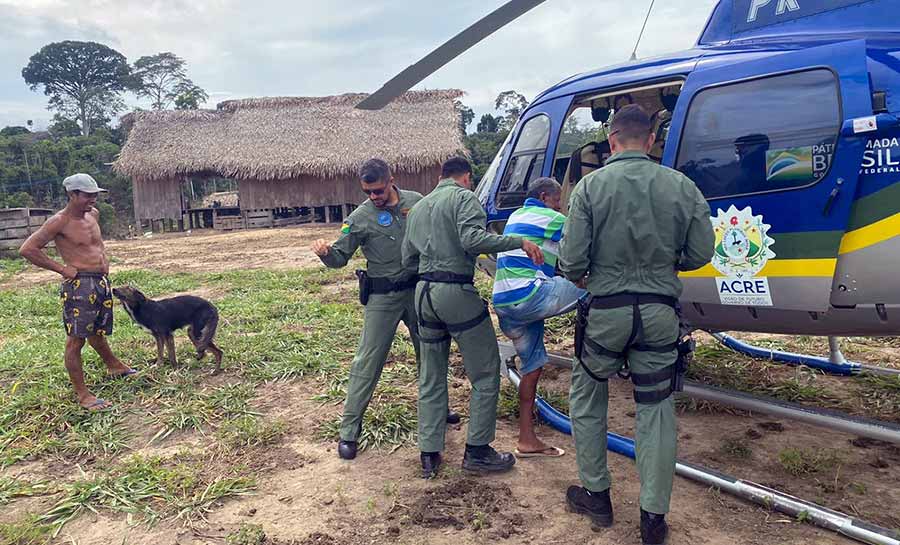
(287, 151)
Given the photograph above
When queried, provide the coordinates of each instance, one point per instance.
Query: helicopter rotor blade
(451, 49)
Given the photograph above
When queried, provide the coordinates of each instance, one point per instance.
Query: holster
(364, 286)
(685, 347)
(581, 320)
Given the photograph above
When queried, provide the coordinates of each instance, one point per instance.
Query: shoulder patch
(345, 228)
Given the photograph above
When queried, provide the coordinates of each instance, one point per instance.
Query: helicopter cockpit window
(483, 189)
(526, 163)
(762, 135)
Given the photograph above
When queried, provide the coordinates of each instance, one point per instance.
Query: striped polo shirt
(517, 275)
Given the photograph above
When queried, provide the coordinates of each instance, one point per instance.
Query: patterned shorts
(87, 305)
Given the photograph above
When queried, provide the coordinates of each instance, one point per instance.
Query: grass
(248, 431)
(247, 534)
(386, 424)
(11, 267)
(11, 488)
(800, 462)
(151, 488)
(272, 329)
(28, 531)
(735, 447)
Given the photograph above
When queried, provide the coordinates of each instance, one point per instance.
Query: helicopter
(784, 113)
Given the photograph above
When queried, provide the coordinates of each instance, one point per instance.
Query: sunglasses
(374, 191)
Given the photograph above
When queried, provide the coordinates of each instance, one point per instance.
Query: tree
(512, 104)
(13, 131)
(488, 123)
(82, 79)
(466, 116)
(190, 97)
(63, 127)
(163, 80)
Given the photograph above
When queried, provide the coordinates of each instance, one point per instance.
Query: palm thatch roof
(281, 138)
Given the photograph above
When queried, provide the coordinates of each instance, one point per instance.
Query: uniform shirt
(632, 225)
(518, 276)
(379, 231)
(446, 232)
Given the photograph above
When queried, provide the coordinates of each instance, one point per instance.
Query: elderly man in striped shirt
(525, 294)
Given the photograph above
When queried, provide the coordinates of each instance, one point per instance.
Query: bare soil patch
(205, 250)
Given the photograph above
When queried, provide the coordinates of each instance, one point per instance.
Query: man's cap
(82, 182)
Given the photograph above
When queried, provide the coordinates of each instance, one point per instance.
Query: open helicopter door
(775, 144)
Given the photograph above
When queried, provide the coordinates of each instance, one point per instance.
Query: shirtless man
(86, 292)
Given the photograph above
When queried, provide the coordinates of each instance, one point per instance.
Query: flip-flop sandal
(549, 452)
(127, 373)
(97, 406)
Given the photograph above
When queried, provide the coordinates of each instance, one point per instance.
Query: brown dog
(161, 318)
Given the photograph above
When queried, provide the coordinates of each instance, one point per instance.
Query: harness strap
(652, 398)
(630, 299)
(651, 379)
(441, 324)
(443, 277)
(445, 338)
(641, 347)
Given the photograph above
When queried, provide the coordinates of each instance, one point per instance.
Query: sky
(241, 48)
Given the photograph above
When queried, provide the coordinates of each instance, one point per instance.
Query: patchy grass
(879, 395)
(248, 431)
(11, 267)
(247, 534)
(736, 447)
(151, 488)
(28, 531)
(11, 488)
(386, 424)
(800, 462)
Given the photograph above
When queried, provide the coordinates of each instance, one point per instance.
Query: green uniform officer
(377, 226)
(445, 235)
(632, 226)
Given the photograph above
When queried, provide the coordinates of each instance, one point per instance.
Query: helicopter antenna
(641, 35)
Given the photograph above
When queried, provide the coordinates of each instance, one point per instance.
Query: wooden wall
(162, 199)
(310, 191)
(157, 199)
(17, 224)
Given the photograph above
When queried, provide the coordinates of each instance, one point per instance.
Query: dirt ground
(307, 495)
(206, 250)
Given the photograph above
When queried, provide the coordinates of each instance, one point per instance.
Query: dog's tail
(208, 331)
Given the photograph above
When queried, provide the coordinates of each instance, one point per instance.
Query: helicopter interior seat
(583, 161)
(660, 122)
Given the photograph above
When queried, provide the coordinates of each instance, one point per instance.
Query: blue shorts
(523, 323)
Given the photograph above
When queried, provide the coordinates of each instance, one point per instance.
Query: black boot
(452, 417)
(347, 449)
(653, 528)
(596, 505)
(431, 462)
(485, 459)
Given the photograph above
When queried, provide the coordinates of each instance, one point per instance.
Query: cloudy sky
(251, 48)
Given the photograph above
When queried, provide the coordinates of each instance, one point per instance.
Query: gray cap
(82, 182)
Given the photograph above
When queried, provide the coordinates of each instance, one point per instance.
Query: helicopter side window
(526, 162)
(767, 134)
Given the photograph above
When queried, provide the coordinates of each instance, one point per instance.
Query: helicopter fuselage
(785, 115)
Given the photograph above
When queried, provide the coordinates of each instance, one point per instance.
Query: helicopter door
(775, 144)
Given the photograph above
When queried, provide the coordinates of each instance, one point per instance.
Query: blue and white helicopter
(785, 115)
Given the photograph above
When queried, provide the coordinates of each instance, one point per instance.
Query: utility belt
(442, 277)
(373, 286)
(674, 373)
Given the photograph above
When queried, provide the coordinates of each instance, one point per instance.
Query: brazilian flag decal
(345, 228)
